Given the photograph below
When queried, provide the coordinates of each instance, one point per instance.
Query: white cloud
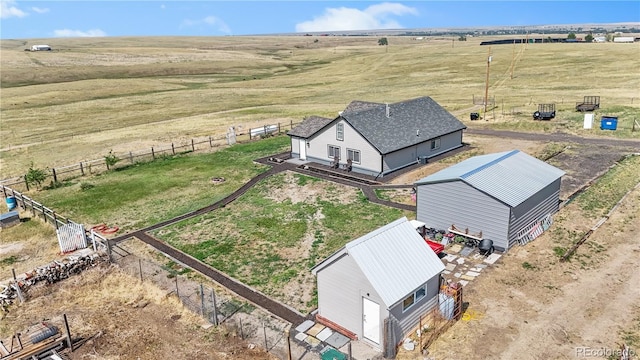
(40, 10)
(9, 10)
(79, 33)
(209, 21)
(373, 17)
(163, 7)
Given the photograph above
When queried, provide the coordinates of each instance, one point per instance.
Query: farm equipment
(590, 103)
(545, 112)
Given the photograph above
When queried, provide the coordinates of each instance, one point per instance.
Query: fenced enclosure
(112, 161)
(217, 307)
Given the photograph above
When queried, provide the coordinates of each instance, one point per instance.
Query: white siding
(318, 149)
(440, 205)
(341, 287)
(295, 146)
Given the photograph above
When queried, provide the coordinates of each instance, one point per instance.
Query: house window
(435, 144)
(353, 155)
(334, 151)
(413, 298)
(339, 131)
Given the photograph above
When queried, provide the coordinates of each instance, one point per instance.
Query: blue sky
(49, 19)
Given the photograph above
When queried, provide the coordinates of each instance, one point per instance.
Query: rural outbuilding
(377, 139)
(40, 48)
(507, 197)
(377, 286)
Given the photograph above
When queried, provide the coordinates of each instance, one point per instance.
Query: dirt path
(555, 137)
(554, 310)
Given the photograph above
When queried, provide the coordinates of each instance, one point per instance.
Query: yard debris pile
(51, 273)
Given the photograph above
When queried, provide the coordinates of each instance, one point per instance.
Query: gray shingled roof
(421, 116)
(357, 105)
(309, 126)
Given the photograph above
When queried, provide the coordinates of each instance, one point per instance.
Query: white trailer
(623, 39)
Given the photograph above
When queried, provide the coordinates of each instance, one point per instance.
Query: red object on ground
(436, 247)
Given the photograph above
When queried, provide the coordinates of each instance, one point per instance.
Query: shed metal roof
(395, 259)
(511, 177)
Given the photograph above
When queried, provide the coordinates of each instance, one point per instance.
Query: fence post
(140, 267)
(66, 326)
(286, 333)
(173, 149)
(81, 168)
(202, 298)
(241, 331)
(210, 143)
(177, 290)
(215, 308)
(130, 157)
(153, 154)
(33, 208)
(55, 220)
(278, 128)
(25, 182)
(193, 146)
(55, 177)
(290, 124)
(264, 331)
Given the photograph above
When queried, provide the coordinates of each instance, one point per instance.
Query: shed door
(303, 149)
(371, 320)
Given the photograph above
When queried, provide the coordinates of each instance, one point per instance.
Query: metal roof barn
(501, 195)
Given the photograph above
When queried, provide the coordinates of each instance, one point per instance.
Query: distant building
(623, 39)
(40, 48)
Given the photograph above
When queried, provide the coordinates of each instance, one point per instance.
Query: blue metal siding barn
(501, 195)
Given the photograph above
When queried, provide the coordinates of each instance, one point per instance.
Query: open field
(89, 96)
(126, 94)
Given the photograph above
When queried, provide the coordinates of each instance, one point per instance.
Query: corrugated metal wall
(440, 205)
(545, 201)
(410, 319)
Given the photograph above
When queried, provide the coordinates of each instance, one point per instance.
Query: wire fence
(218, 308)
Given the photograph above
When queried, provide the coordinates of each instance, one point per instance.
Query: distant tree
(383, 41)
(609, 37)
(111, 159)
(571, 36)
(588, 38)
(462, 37)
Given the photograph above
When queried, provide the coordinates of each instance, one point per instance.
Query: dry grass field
(89, 96)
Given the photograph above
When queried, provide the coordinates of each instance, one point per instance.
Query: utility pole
(486, 89)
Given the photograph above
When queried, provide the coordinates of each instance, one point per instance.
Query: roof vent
(418, 132)
(387, 110)
(339, 113)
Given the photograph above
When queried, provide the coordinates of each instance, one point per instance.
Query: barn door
(371, 320)
(303, 149)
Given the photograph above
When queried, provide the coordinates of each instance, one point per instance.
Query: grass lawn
(143, 194)
(271, 236)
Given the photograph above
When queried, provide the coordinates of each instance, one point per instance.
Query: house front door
(371, 320)
(303, 149)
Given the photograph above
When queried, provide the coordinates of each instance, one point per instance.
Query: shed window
(334, 151)
(339, 131)
(408, 302)
(353, 155)
(435, 144)
(413, 298)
